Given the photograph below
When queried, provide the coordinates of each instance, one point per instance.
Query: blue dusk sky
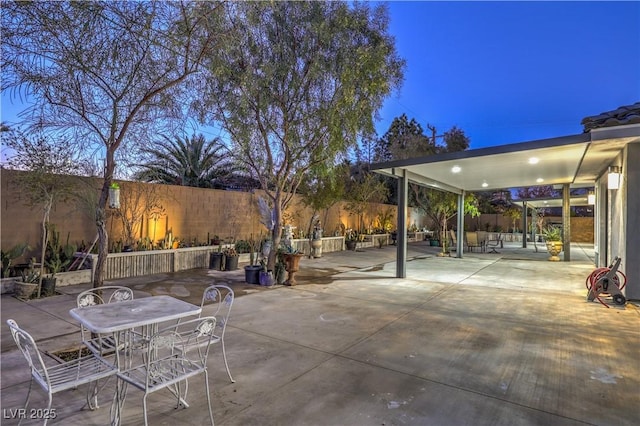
(506, 72)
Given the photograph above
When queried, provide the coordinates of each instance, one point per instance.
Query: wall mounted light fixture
(613, 177)
(591, 198)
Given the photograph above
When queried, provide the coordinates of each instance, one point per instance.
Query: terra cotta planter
(24, 290)
(292, 262)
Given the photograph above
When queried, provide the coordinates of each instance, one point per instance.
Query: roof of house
(629, 114)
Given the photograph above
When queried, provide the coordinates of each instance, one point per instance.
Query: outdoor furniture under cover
(472, 241)
(493, 244)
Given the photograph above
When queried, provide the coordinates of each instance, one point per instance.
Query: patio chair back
(472, 240)
(493, 244)
(101, 345)
(171, 360)
(104, 294)
(217, 300)
(59, 376)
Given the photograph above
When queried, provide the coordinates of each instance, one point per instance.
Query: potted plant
(230, 259)
(57, 258)
(553, 238)
(7, 257)
(291, 258)
(216, 259)
(280, 275)
(252, 270)
(350, 239)
(266, 277)
(25, 288)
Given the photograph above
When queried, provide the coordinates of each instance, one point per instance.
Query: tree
(188, 162)
(441, 207)
(531, 192)
(48, 168)
(404, 139)
(105, 72)
(321, 189)
(136, 200)
(300, 83)
(514, 213)
(455, 140)
(363, 188)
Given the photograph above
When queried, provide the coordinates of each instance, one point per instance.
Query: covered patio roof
(569, 161)
(577, 160)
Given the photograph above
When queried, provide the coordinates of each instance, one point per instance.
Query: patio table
(120, 319)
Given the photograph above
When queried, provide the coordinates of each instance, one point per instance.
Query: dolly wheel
(619, 299)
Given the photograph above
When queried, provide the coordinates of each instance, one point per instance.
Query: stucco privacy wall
(193, 214)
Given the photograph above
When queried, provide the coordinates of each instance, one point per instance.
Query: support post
(534, 231)
(566, 222)
(524, 224)
(401, 257)
(460, 230)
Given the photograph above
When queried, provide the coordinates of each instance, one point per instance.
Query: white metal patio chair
(61, 376)
(104, 346)
(221, 297)
(174, 354)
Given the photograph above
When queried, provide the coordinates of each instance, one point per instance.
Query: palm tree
(187, 162)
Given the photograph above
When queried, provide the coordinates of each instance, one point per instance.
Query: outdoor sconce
(591, 198)
(613, 177)
(114, 196)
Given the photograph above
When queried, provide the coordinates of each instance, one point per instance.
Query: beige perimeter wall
(193, 214)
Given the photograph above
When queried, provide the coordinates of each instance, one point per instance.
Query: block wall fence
(195, 215)
(192, 214)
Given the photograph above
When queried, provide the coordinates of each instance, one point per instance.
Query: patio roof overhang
(575, 201)
(577, 160)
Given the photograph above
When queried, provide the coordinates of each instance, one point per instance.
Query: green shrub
(243, 246)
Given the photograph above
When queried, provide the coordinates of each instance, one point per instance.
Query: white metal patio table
(120, 319)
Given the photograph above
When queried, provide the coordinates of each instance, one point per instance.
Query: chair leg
(46, 418)
(224, 355)
(26, 402)
(144, 408)
(206, 387)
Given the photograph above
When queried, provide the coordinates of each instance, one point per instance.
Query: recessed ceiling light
(485, 184)
(534, 160)
(539, 180)
(455, 169)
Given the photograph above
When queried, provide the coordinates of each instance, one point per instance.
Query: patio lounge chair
(472, 241)
(493, 244)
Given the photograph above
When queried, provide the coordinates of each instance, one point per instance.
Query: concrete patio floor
(491, 339)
